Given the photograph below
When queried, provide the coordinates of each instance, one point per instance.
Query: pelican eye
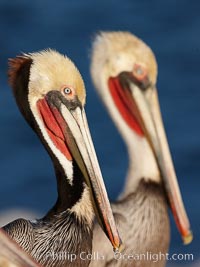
(67, 91)
(139, 72)
(140, 75)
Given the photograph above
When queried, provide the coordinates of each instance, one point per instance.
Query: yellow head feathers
(114, 52)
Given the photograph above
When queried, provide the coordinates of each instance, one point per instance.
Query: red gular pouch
(54, 125)
(124, 101)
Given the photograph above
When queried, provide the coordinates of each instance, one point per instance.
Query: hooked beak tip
(188, 238)
(118, 247)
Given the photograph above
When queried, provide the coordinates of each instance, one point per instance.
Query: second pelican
(124, 71)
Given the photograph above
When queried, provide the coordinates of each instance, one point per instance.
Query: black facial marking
(126, 77)
(56, 98)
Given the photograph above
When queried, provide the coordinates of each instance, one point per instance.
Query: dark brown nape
(16, 65)
(18, 74)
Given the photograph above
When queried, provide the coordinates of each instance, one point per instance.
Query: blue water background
(171, 28)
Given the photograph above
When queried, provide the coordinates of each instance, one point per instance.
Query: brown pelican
(50, 94)
(11, 255)
(124, 71)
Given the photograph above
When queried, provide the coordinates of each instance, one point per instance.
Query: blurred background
(170, 28)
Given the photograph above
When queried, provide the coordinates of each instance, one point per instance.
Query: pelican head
(124, 71)
(50, 93)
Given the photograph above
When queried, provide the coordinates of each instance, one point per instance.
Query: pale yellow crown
(50, 71)
(114, 52)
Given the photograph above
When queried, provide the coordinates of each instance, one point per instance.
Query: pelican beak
(67, 126)
(140, 108)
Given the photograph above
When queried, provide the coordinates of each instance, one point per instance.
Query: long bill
(140, 109)
(72, 136)
(168, 173)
